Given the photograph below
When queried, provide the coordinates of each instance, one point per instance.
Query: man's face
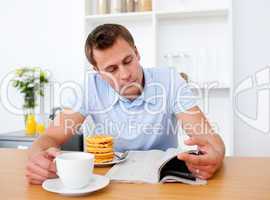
(119, 66)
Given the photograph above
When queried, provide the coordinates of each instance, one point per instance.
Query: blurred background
(222, 46)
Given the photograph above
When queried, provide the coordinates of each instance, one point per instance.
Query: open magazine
(153, 166)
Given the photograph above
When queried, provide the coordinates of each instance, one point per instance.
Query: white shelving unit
(197, 34)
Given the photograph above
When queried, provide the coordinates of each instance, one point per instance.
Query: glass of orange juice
(30, 127)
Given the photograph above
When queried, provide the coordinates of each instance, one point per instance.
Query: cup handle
(54, 161)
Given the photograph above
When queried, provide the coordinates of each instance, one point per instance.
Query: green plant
(30, 82)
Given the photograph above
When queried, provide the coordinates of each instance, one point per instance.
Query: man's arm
(209, 144)
(60, 130)
(40, 165)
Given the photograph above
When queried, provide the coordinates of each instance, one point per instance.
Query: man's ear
(95, 68)
(137, 53)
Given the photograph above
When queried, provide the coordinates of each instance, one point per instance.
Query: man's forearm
(218, 143)
(42, 143)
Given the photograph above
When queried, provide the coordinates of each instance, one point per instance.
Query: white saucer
(55, 185)
(115, 160)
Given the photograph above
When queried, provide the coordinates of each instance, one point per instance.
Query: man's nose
(125, 74)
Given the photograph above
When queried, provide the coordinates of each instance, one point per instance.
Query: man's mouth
(129, 85)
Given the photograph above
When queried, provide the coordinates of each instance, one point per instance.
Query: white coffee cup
(75, 169)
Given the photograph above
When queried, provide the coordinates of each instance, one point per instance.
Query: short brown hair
(103, 37)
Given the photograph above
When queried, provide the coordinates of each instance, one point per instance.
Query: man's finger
(204, 175)
(195, 159)
(42, 161)
(41, 158)
(205, 168)
(52, 167)
(38, 170)
(191, 169)
(34, 176)
(53, 152)
(199, 140)
(200, 172)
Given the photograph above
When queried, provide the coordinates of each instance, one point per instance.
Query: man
(139, 107)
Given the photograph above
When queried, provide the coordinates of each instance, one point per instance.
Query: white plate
(114, 161)
(55, 185)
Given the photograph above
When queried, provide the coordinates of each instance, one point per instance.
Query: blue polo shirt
(147, 122)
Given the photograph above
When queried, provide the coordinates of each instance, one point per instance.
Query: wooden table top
(240, 178)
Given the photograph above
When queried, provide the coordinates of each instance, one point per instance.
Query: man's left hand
(211, 158)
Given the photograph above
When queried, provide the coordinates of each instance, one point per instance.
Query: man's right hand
(41, 166)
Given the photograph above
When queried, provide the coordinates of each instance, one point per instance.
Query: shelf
(221, 86)
(212, 89)
(191, 14)
(159, 14)
(131, 16)
(203, 29)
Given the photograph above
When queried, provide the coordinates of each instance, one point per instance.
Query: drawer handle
(22, 147)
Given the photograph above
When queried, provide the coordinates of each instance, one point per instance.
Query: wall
(251, 53)
(48, 34)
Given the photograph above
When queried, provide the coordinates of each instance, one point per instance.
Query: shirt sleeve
(77, 102)
(82, 108)
(182, 98)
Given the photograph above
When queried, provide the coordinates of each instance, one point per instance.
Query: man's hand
(209, 144)
(205, 165)
(40, 166)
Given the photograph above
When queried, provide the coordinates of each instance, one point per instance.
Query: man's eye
(128, 61)
(111, 69)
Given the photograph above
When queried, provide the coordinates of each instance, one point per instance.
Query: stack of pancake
(101, 146)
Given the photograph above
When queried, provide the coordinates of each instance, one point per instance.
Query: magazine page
(140, 166)
(173, 179)
(168, 155)
(171, 153)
